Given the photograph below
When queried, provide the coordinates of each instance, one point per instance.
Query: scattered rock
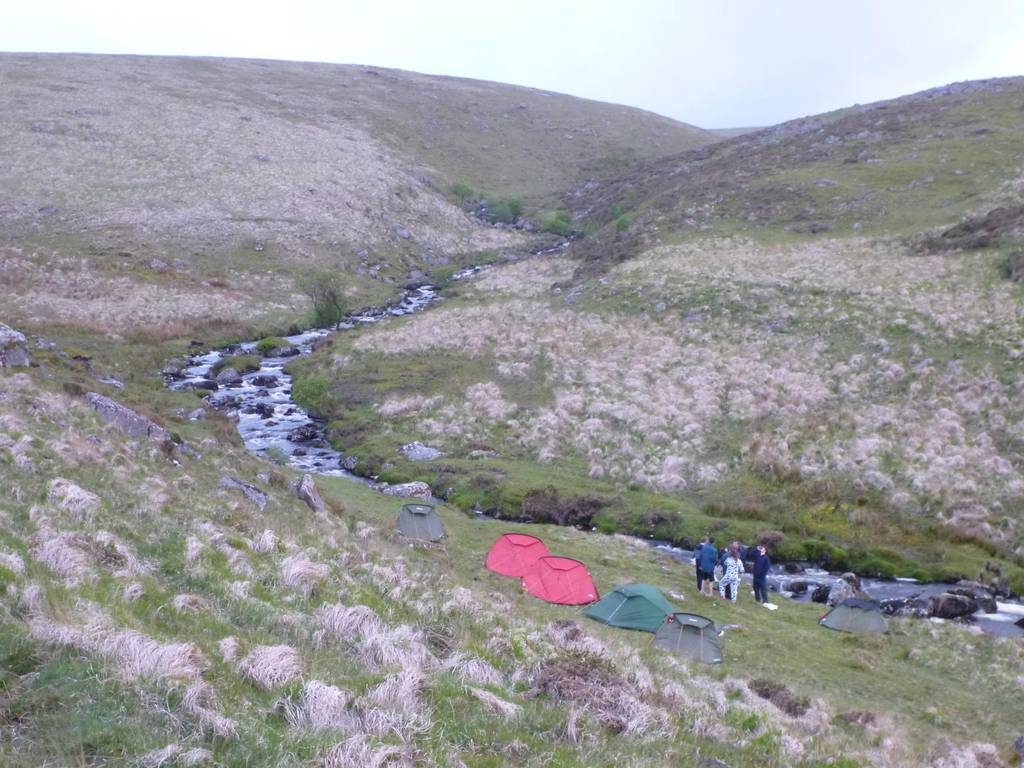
(306, 490)
(792, 568)
(797, 587)
(125, 419)
(951, 606)
(13, 353)
(350, 463)
(826, 183)
(197, 415)
(209, 384)
(416, 451)
(252, 493)
(401, 232)
(158, 264)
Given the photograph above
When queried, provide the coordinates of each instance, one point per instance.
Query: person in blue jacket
(707, 559)
(762, 564)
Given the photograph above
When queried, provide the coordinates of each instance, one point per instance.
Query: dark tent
(515, 554)
(692, 635)
(560, 580)
(858, 616)
(632, 606)
(420, 521)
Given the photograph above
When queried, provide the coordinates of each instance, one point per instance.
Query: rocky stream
(274, 426)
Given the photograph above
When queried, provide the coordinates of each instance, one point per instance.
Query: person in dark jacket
(696, 563)
(762, 564)
(707, 559)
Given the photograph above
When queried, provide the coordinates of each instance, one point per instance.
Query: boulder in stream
(307, 433)
(265, 380)
(841, 590)
(981, 594)
(915, 607)
(951, 606)
(228, 376)
(820, 593)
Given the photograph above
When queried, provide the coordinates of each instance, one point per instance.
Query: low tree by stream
(327, 295)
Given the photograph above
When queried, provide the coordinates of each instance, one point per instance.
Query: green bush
(621, 217)
(268, 345)
(241, 363)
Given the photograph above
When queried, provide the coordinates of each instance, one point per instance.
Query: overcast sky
(714, 63)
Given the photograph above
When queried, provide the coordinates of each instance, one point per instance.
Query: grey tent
(692, 635)
(856, 615)
(421, 522)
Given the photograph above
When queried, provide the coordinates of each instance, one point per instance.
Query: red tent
(514, 554)
(561, 580)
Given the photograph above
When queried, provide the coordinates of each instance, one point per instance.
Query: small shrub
(559, 223)
(463, 193)
(504, 210)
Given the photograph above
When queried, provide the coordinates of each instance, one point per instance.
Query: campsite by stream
(272, 425)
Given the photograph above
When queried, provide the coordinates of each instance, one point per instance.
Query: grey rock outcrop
(306, 490)
(125, 419)
(413, 490)
(252, 493)
(418, 452)
(13, 352)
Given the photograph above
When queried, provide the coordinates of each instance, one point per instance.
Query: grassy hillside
(726, 352)
(206, 185)
(150, 616)
(897, 167)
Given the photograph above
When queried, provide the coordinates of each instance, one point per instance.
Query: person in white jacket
(732, 567)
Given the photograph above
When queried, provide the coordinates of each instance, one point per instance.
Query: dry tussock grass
(300, 573)
(322, 707)
(271, 666)
(357, 752)
(71, 498)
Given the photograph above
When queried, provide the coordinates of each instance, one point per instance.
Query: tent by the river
(560, 580)
(857, 616)
(515, 554)
(692, 635)
(632, 606)
(421, 522)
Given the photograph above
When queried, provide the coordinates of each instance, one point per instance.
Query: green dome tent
(632, 606)
(857, 616)
(421, 522)
(692, 635)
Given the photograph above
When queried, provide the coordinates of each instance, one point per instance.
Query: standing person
(707, 561)
(697, 565)
(762, 564)
(729, 586)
